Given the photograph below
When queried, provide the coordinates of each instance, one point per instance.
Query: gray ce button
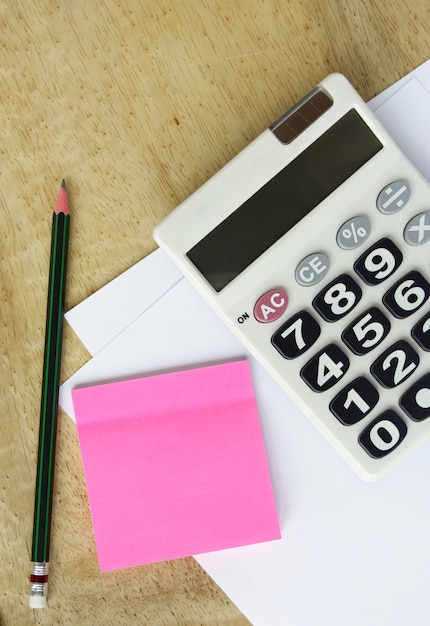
(312, 269)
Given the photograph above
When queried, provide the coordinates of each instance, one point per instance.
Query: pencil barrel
(50, 388)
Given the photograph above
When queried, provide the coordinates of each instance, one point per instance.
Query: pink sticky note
(175, 465)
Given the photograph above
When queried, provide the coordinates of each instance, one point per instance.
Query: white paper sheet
(406, 116)
(108, 311)
(352, 552)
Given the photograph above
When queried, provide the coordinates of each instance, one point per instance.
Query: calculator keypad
(387, 369)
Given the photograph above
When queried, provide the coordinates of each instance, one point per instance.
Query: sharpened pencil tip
(62, 205)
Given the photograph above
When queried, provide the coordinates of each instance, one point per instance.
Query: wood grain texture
(136, 104)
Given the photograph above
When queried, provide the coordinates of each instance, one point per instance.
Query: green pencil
(49, 402)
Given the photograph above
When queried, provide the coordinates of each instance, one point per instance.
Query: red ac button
(270, 306)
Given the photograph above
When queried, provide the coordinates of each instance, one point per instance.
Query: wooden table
(136, 104)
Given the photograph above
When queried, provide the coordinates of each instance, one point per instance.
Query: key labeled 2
(395, 365)
(326, 368)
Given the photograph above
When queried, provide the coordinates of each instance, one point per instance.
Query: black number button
(354, 401)
(338, 298)
(378, 262)
(420, 332)
(325, 368)
(297, 335)
(395, 365)
(383, 435)
(366, 331)
(407, 295)
(416, 401)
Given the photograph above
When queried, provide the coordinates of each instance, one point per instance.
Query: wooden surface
(136, 104)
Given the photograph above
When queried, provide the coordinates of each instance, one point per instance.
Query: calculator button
(366, 331)
(407, 295)
(417, 230)
(393, 197)
(312, 269)
(416, 401)
(378, 262)
(271, 305)
(338, 298)
(383, 435)
(325, 368)
(353, 233)
(355, 401)
(421, 332)
(297, 335)
(395, 365)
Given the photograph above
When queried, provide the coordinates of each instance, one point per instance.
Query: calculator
(313, 246)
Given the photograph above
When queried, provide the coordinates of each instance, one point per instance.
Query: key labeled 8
(338, 298)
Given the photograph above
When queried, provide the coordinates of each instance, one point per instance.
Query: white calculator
(313, 245)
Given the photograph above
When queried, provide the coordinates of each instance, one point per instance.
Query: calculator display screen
(282, 202)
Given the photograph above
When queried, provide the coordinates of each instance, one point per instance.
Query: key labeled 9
(378, 262)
